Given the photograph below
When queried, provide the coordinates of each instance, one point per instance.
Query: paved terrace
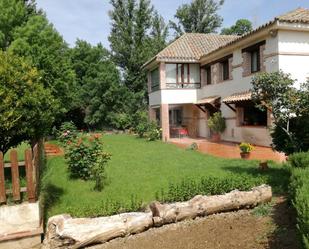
(228, 149)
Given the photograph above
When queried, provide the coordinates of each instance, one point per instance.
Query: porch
(228, 149)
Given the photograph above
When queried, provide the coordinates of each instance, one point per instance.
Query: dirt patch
(232, 230)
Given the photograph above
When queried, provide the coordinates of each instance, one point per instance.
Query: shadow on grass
(50, 195)
(277, 178)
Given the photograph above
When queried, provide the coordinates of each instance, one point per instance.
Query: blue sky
(89, 20)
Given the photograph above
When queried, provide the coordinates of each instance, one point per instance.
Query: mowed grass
(137, 171)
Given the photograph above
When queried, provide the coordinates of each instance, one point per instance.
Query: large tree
(13, 14)
(44, 47)
(200, 16)
(138, 33)
(26, 107)
(101, 93)
(241, 27)
(289, 107)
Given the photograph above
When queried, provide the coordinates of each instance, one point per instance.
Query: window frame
(225, 72)
(258, 60)
(208, 75)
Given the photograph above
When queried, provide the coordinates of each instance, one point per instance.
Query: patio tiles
(228, 149)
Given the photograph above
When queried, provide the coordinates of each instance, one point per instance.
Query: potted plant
(217, 125)
(245, 149)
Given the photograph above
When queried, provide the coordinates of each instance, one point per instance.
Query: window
(155, 79)
(183, 75)
(194, 73)
(208, 75)
(175, 117)
(254, 116)
(255, 60)
(225, 70)
(171, 72)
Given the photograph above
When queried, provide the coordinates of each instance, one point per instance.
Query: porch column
(165, 124)
(151, 114)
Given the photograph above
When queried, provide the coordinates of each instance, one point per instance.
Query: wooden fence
(31, 163)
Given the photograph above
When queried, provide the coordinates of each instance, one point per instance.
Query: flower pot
(216, 137)
(245, 155)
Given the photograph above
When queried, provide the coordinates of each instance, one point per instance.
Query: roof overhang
(238, 98)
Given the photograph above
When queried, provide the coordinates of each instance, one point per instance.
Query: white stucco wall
(173, 96)
(294, 54)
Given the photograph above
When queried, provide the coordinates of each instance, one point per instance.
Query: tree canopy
(200, 16)
(241, 27)
(26, 107)
(289, 107)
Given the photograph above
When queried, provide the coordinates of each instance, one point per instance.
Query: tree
(14, 13)
(42, 45)
(101, 94)
(241, 27)
(289, 107)
(26, 107)
(138, 33)
(200, 16)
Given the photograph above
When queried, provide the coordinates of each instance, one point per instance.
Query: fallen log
(206, 205)
(63, 231)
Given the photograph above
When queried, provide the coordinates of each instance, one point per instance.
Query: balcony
(183, 85)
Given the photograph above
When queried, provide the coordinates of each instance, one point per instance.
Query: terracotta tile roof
(237, 97)
(208, 100)
(300, 15)
(191, 46)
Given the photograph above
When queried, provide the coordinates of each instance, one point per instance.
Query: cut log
(65, 232)
(206, 205)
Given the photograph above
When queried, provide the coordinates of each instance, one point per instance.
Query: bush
(217, 123)
(86, 159)
(299, 193)
(154, 132)
(299, 160)
(189, 188)
(67, 132)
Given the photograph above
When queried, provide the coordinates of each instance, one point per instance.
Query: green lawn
(137, 171)
(20, 152)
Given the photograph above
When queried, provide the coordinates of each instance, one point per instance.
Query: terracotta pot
(245, 155)
(216, 137)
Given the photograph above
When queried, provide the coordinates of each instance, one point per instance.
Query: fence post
(30, 176)
(2, 181)
(15, 175)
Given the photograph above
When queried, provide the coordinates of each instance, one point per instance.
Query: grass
(137, 171)
(20, 152)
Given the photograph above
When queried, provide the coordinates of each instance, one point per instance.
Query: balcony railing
(183, 85)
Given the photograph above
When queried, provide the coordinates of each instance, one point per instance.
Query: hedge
(299, 192)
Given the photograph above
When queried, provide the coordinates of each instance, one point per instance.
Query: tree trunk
(65, 232)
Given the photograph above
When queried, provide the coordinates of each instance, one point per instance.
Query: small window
(254, 116)
(225, 70)
(208, 75)
(255, 61)
(155, 79)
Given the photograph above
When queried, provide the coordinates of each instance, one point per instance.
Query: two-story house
(200, 74)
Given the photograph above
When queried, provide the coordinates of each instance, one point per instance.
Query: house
(200, 74)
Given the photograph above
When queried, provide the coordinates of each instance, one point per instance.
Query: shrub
(86, 159)
(67, 132)
(189, 188)
(299, 160)
(154, 132)
(299, 193)
(217, 123)
(246, 147)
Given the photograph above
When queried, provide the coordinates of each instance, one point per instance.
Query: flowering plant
(246, 147)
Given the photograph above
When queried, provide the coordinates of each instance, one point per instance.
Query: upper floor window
(183, 75)
(155, 79)
(208, 75)
(255, 60)
(225, 70)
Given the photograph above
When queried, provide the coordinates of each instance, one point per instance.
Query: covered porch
(228, 149)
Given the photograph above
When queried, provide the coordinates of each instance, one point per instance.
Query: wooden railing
(31, 163)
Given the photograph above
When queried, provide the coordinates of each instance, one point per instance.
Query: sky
(89, 20)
